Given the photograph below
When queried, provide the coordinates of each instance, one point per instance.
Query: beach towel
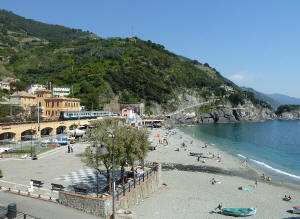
(247, 189)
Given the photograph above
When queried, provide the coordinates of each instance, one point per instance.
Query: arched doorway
(46, 131)
(60, 130)
(28, 135)
(7, 136)
(72, 127)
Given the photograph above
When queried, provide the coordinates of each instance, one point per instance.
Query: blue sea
(271, 146)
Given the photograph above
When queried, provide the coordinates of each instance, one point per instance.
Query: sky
(254, 43)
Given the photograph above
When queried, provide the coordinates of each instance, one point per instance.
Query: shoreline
(277, 175)
(187, 191)
(250, 171)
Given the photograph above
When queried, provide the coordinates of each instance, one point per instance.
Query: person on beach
(213, 181)
(256, 183)
(219, 207)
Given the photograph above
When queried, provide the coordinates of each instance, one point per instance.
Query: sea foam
(275, 170)
(242, 156)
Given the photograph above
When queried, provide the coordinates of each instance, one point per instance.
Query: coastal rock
(294, 115)
(224, 114)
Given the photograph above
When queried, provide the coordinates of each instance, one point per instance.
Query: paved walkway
(55, 166)
(42, 209)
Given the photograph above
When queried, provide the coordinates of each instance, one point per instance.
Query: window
(47, 104)
(57, 113)
(57, 104)
(52, 112)
(40, 104)
(52, 103)
(48, 112)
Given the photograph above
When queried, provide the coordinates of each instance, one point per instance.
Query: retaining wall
(103, 206)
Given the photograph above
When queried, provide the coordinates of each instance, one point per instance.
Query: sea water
(271, 146)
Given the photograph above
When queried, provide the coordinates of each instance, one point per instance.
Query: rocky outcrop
(225, 114)
(294, 115)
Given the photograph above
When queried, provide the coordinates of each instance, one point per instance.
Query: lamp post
(113, 169)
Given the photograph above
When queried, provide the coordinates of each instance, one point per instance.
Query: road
(42, 209)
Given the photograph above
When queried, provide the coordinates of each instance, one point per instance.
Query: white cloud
(237, 77)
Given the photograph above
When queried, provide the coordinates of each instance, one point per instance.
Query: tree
(91, 157)
(130, 145)
(236, 99)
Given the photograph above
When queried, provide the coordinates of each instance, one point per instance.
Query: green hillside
(13, 22)
(98, 69)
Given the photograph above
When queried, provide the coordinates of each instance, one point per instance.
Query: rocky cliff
(211, 112)
(294, 115)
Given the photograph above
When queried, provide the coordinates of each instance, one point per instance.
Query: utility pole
(38, 115)
(10, 107)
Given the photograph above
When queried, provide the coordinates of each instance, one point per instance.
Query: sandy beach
(190, 194)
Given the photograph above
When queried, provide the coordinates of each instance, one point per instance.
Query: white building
(4, 85)
(61, 91)
(32, 88)
(128, 113)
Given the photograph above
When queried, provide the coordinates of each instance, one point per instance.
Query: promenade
(55, 166)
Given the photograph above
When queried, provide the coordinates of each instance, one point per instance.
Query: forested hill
(98, 69)
(13, 22)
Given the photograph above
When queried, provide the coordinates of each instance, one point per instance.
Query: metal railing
(132, 184)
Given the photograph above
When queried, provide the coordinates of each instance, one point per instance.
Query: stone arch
(60, 129)
(73, 126)
(46, 131)
(7, 136)
(28, 135)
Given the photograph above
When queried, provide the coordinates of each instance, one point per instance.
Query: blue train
(86, 114)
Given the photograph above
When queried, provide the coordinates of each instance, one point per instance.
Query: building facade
(128, 113)
(61, 91)
(34, 87)
(23, 99)
(51, 107)
(4, 85)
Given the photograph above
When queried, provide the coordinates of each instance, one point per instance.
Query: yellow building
(52, 106)
(23, 99)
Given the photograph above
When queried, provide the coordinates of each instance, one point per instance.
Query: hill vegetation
(14, 23)
(98, 69)
(287, 108)
(264, 97)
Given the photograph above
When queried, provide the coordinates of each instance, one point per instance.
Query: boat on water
(296, 209)
(195, 154)
(239, 212)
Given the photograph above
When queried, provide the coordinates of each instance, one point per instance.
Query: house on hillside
(32, 88)
(4, 85)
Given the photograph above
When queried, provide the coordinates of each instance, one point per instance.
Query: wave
(242, 156)
(275, 170)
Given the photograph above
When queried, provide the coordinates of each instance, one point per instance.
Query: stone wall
(97, 206)
(140, 192)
